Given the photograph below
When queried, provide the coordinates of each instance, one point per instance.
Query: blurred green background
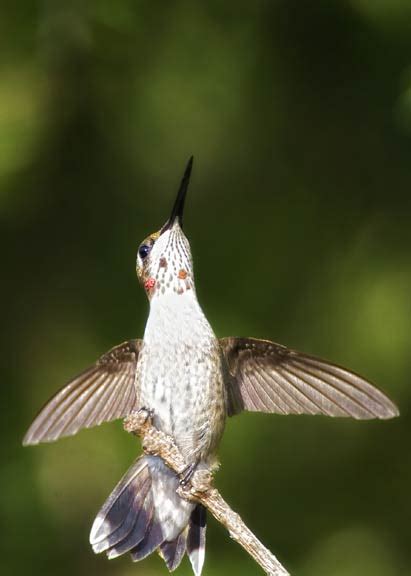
(299, 118)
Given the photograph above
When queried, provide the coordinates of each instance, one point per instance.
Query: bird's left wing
(102, 393)
(268, 377)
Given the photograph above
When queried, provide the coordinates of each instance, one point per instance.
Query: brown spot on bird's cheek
(182, 274)
(163, 263)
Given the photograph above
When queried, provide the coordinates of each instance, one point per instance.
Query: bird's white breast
(179, 373)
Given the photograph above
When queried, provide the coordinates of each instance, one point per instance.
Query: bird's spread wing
(268, 377)
(102, 393)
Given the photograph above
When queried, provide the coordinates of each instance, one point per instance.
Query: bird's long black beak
(178, 208)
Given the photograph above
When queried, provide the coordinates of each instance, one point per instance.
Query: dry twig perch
(200, 489)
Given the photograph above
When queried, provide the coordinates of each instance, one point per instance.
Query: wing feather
(104, 392)
(268, 377)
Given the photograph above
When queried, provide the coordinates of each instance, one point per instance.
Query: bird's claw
(200, 479)
(137, 420)
(146, 413)
(186, 474)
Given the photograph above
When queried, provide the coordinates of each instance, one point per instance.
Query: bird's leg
(146, 413)
(187, 473)
(198, 479)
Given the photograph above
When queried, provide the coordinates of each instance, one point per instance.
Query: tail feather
(123, 518)
(197, 538)
(173, 552)
(115, 510)
(131, 531)
(136, 535)
(144, 513)
(152, 540)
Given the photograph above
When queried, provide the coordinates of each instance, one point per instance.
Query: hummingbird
(190, 381)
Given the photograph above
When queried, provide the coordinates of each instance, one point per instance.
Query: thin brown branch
(200, 489)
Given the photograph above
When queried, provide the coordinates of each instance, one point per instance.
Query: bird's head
(164, 262)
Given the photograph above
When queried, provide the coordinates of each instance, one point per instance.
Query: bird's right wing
(102, 393)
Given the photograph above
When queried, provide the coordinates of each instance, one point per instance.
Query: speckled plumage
(180, 372)
(180, 369)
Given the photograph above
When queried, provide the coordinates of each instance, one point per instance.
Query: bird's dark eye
(143, 251)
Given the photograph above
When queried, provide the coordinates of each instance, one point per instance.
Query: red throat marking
(149, 284)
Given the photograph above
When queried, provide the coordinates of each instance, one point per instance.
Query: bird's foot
(199, 479)
(138, 420)
(187, 473)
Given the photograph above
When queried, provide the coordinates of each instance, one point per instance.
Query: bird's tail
(144, 513)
